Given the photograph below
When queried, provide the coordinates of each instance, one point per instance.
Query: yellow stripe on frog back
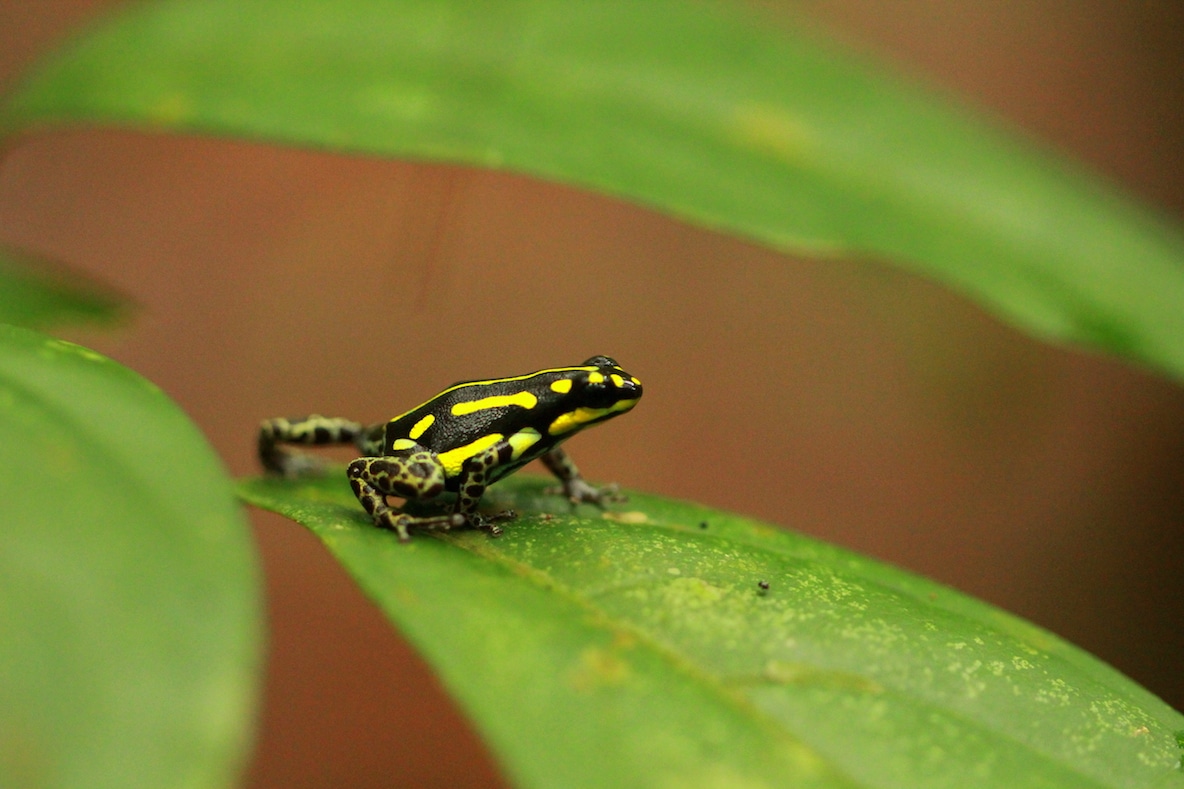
(521, 399)
(454, 387)
(453, 459)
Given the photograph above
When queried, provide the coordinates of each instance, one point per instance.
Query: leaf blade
(37, 293)
(840, 650)
(130, 609)
(688, 108)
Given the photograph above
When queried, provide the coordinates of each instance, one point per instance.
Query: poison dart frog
(463, 440)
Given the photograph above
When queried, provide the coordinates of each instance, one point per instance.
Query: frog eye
(600, 394)
(601, 361)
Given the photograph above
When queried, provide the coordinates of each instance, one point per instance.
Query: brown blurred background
(855, 403)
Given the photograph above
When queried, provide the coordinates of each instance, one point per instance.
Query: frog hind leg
(314, 430)
(413, 475)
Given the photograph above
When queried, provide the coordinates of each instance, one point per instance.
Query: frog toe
(580, 492)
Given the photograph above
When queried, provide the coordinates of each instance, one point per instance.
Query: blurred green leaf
(713, 116)
(635, 648)
(129, 600)
(35, 292)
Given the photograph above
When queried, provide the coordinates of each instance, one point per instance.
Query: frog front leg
(476, 474)
(574, 486)
(415, 475)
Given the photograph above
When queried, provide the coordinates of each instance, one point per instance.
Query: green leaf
(35, 292)
(635, 648)
(709, 115)
(129, 599)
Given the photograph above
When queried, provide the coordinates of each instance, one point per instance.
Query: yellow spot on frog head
(617, 380)
(562, 386)
(422, 426)
(403, 443)
(522, 399)
(596, 378)
(635, 380)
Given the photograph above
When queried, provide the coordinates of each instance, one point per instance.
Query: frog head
(594, 392)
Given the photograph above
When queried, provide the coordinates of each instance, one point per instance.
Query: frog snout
(629, 388)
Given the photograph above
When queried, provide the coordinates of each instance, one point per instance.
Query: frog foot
(578, 491)
(297, 465)
(489, 523)
(402, 524)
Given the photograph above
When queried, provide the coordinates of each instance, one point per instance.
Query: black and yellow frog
(462, 440)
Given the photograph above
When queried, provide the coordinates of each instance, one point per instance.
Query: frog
(460, 442)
